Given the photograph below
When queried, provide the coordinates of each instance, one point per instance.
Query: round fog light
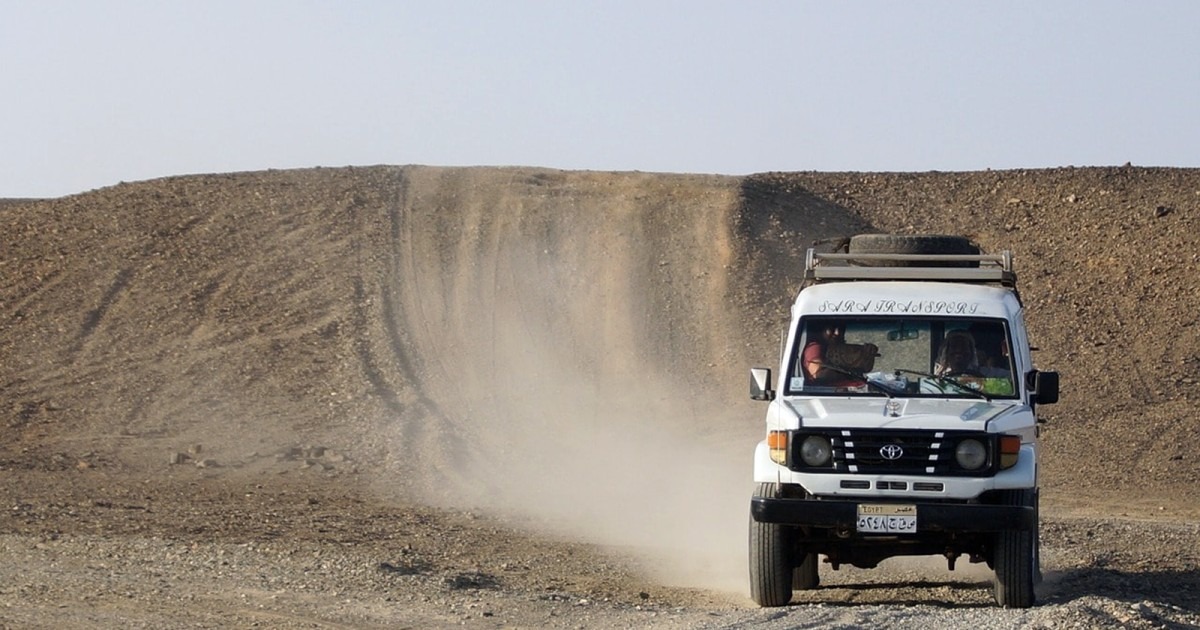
(970, 454)
(816, 451)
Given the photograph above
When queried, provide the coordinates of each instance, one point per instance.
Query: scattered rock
(471, 580)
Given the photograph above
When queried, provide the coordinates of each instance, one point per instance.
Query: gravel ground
(312, 556)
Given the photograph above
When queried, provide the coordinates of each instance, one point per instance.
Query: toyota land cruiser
(905, 421)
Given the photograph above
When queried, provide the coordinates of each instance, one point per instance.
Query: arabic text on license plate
(887, 518)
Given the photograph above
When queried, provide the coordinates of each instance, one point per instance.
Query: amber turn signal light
(1010, 450)
(777, 441)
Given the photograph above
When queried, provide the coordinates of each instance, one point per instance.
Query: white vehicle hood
(908, 413)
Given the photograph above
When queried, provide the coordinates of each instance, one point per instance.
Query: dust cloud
(575, 340)
(619, 462)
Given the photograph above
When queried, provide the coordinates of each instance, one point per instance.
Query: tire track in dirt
(93, 318)
(395, 321)
(424, 445)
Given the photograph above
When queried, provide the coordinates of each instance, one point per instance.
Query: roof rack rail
(989, 268)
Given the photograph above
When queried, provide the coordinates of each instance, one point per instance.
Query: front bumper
(931, 517)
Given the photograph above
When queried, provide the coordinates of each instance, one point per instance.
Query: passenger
(991, 348)
(997, 365)
(957, 356)
(958, 359)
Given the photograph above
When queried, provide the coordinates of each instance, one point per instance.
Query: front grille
(887, 452)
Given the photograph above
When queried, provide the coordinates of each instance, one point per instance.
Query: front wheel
(1015, 558)
(770, 557)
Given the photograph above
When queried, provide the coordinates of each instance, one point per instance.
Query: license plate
(887, 518)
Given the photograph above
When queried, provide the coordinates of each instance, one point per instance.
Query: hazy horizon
(127, 91)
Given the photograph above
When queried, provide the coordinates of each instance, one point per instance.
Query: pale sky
(93, 93)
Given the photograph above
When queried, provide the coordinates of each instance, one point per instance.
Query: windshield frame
(993, 381)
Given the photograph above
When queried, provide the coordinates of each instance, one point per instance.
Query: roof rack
(988, 268)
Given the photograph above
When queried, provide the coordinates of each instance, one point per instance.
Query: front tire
(1015, 557)
(770, 557)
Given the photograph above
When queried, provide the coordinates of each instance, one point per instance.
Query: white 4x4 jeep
(905, 419)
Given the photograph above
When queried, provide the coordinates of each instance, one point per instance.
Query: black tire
(1015, 557)
(912, 244)
(1037, 540)
(806, 576)
(770, 557)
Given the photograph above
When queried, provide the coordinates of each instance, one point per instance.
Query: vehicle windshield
(911, 357)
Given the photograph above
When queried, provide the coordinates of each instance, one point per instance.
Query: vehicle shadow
(938, 593)
(1180, 589)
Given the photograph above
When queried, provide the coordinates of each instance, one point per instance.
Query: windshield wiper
(862, 377)
(963, 387)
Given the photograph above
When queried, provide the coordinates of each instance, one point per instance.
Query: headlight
(970, 454)
(815, 451)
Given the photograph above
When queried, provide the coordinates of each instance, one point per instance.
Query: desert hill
(396, 311)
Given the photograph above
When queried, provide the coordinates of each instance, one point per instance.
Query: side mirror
(1045, 387)
(760, 384)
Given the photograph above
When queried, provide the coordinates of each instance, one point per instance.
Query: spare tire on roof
(912, 244)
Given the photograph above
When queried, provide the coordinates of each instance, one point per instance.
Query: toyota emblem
(891, 451)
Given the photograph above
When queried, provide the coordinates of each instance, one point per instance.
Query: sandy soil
(413, 396)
